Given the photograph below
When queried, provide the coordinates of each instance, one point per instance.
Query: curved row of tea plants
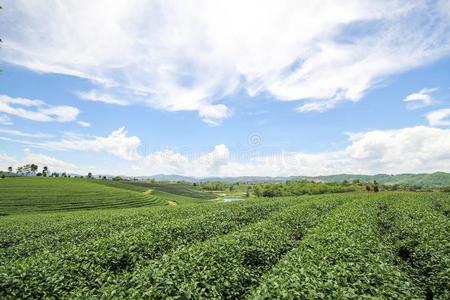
(225, 267)
(420, 236)
(33, 194)
(354, 245)
(101, 260)
(344, 257)
(23, 235)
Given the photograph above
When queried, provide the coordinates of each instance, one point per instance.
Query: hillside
(31, 194)
(181, 189)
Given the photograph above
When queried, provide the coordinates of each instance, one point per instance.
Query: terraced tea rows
(356, 245)
(19, 195)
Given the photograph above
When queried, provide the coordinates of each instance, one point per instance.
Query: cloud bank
(407, 150)
(177, 55)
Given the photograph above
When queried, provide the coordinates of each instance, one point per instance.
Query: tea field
(388, 245)
(32, 194)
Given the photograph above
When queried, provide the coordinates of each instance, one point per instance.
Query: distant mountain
(437, 179)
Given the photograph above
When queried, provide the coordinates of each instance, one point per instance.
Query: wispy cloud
(439, 117)
(5, 120)
(84, 124)
(25, 134)
(96, 96)
(37, 110)
(189, 55)
(420, 99)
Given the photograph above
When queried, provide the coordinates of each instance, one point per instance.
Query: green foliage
(227, 267)
(419, 232)
(386, 245)
(300, 187)
(344, 257)
(81, 262)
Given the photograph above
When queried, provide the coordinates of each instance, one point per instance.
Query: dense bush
(300, 187)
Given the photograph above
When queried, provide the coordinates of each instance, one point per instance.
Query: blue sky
(175, 88)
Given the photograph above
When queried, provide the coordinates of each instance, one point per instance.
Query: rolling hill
(31, 194)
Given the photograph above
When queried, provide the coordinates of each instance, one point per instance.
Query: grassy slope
(29, 194)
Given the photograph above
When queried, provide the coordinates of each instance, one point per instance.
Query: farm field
(350, 245)
(31, 194)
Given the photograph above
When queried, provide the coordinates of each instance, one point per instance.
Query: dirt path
(148, 191)
(173, 203)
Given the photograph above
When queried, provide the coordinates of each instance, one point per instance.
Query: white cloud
(84, 124)
(5, 120)
(53, 164)
(117, 143)
(420, 99)
(407, 150)
(96, 96)
(170, 162)
(213, 114)
(318, 106)
(37, 110)
(191, 55)
(25, 134)
(415, 149)
(7, 161)
(438, 117)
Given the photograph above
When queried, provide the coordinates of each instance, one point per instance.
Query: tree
(375, 186)
(45, 171)
(10, 169)
(33, 168)
(368, 188)
(19, 170)
(89, 175)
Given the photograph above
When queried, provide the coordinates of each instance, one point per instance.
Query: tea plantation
(388, 245)
(31, 194)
